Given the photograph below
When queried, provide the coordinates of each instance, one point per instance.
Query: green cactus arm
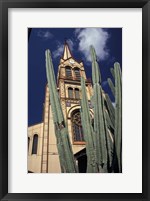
(88, 131)
(69, 157)
(109, 122)
(99, 122)
(96, 76)
(109, 141)
(111, 85)
(112, 72)
(110, 106)
(60, 148)
(118, 114)
(56, 107)
(110, 109)
(67, 161)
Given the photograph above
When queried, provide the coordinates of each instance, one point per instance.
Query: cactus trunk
(118, 115)
(88, 131)
(99, 122)
(104, 139)
(67, 161)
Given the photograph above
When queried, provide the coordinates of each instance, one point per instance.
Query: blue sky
(106, 41)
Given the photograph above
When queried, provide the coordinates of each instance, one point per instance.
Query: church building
(42, 148)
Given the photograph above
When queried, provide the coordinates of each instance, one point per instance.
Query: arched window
(77, 95)
(77, 73)
(68, 72)
(28, 143)
(35, 144)
(70, 92)
(77, 127)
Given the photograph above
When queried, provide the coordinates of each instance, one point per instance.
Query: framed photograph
(74, 100)
(43, 143)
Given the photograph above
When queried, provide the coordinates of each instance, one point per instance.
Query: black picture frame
(4, 6)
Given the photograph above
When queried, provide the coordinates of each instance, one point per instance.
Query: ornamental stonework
(63, 105)
(71, 102)
(62, 89)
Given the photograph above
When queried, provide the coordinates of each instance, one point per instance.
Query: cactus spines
(88, 131)
(64, 148)
(111, 86)
(118, 114)
(117, 119)
(107, 118)
(99, 125)
(110, 111)
(96, 76)
(111, 108)
(104, 139)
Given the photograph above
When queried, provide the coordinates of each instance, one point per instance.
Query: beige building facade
(42, 149)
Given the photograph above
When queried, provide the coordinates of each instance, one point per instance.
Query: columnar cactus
(88, 131)
(117, 92)
(107, 120)
(99, 121)
(67, 161)
(110, 110)
(111, 86)
(104, 141)
(118, 115)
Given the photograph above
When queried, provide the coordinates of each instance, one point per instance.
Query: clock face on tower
(71, 61)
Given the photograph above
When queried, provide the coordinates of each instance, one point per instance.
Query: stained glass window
(35, 144)
(77, 127)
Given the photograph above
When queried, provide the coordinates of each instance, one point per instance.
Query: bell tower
(69, 76)
(45, 159)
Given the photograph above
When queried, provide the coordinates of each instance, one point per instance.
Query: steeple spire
(67, 53)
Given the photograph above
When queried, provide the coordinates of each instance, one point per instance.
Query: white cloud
(60, 47)
(59, 51)
(93, 36)
(77, 30)
(44, 34)
(70, 43)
